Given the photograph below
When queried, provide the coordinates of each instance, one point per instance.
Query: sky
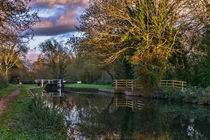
(58, 19)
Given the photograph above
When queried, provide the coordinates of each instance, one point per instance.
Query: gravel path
(5, 101)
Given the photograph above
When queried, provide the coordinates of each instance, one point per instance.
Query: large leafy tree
(144, 32)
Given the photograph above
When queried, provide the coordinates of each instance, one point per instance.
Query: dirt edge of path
(5, 101)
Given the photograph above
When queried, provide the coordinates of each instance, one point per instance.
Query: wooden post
(59, 84)
(172, 83)
(182, 85)
(42, 83)
(116, 101)
(59, 92)
(132, 86)
(115, 84)
(126, 84)
(132, 105)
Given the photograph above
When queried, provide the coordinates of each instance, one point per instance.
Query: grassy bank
(7, 91)
(89, 86)
(29, 118)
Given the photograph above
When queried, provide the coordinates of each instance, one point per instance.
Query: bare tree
(56, 56)
(10, 53)
(16, 20)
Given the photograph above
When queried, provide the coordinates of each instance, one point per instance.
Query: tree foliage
(204, 61)
(120, 68)
(146, 33)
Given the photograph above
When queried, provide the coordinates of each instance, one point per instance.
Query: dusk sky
(58, 21)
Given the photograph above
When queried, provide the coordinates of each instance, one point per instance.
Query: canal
(108, 116)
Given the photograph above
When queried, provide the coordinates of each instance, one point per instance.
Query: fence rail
(134, 104)
(133, 84)
(174, 84)
(129, 83)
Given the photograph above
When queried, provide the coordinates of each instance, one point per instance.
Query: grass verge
(6, 91)
(89, 86)
(30, 118)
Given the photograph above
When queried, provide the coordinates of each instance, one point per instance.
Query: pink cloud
(58, 15)
(44, 24)
(50, 3)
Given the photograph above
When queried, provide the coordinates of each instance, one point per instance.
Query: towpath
(5, 101)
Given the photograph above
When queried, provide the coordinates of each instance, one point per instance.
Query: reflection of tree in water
(101, 118)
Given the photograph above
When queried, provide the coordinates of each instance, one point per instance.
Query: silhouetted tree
(56, 56)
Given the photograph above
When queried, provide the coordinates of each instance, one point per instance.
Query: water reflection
(107, 116)
(132, 102)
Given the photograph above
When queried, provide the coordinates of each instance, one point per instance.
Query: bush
(190, 95)
(47, 120)
(3, 82)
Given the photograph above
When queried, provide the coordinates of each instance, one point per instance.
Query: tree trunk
(110, 74)
(6, 74)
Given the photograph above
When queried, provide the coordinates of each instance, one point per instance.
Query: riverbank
(29, 118)
(192, 95)
(90, 86)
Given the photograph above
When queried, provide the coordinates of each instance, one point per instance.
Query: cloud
(64, 2)
(55, 30)
(62, 38)
(58, 16)
(44, 24)
(34, 51)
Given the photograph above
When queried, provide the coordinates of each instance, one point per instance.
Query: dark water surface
(107, 116)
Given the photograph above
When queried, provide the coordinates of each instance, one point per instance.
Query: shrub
(46, 119)
(190, 95)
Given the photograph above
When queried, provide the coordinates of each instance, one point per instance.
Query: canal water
(107, 116)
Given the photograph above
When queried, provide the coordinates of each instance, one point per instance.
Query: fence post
(115, 84)
(182, 85)
(132, 88)
(132, 105)
(116, 101)
(172, 83)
